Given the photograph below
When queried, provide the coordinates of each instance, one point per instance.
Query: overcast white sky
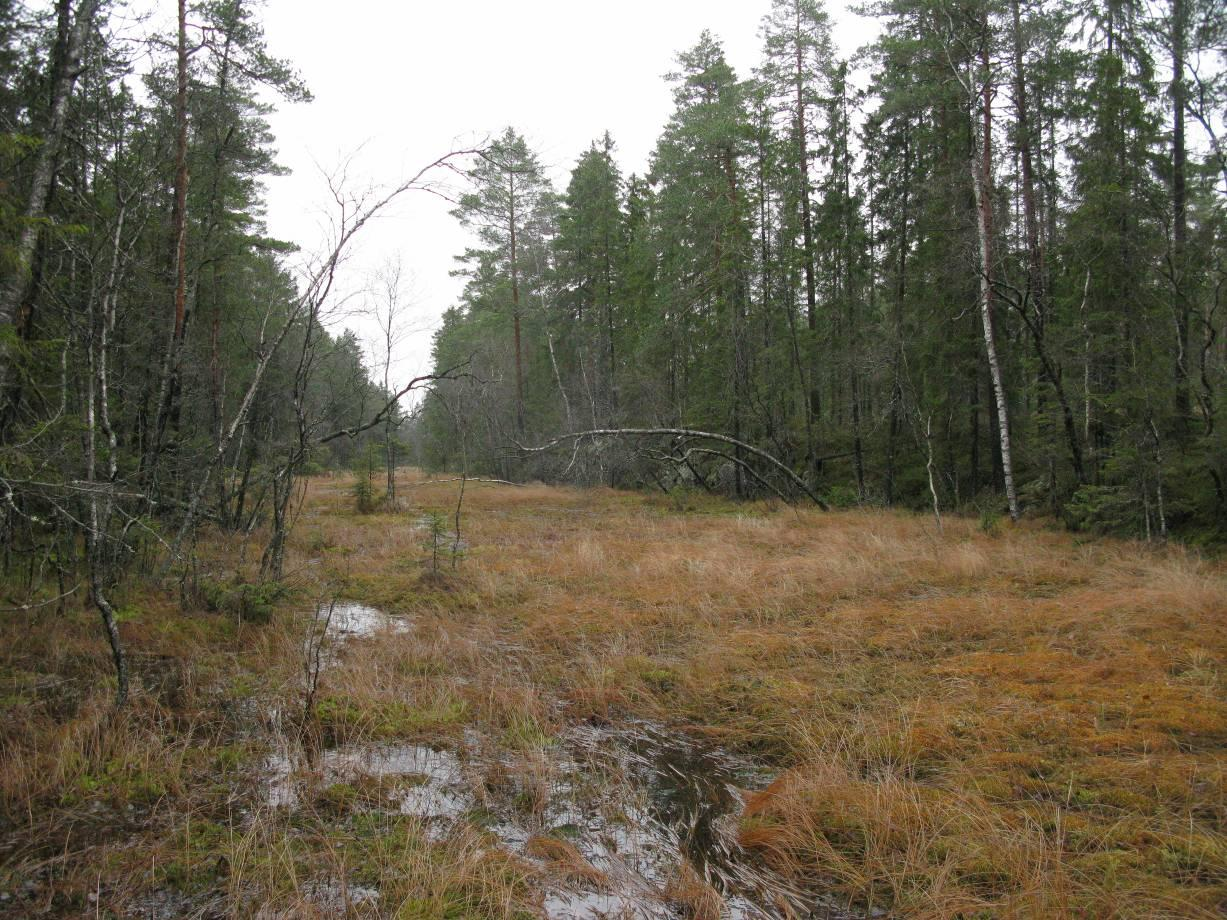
(407, 81)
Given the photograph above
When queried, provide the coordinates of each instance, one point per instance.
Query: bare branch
(680, 433)
(416, 383)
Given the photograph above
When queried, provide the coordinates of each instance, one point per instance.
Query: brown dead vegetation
(1012, 724)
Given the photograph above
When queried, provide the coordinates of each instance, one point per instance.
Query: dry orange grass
(1018, 724)
(966, 725)
(693, 896)
(157, 810)
(565, 859)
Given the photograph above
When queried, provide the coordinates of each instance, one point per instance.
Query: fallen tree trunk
(680, 433)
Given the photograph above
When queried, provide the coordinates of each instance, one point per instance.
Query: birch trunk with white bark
(15, 289)
(982, 183)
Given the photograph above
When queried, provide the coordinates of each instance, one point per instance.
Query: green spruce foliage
(803, 269)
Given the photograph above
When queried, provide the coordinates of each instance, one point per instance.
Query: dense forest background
(979, 266)
(991, 277)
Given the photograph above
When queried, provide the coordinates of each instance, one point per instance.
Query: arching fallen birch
(689, 433)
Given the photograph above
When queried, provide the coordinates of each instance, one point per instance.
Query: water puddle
(412, 779)
(437, 538)
(663, 833)
(350, 620)
(335, 624)
(632, 823)
(335, 899)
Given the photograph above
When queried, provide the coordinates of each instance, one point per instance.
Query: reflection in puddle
(338, 899)
(335, 624)
(631, 819)
(414, 778)
(635, 822)
(351, 620)
(662, 817)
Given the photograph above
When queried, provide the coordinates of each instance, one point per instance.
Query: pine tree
(510, 188)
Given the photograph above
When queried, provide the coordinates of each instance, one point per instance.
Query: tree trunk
(1180, 218)
(179, 217)
(100, 495)
(168, 386)
(813, 402)
(896, 396)
(515, 304)
(982, 183)
(68, 69)
(731, 283)
(1037, 280)
(1035, 255)
(609, 328)
(1049, 372)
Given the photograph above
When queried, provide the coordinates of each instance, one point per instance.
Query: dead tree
(687, 434)
(354, 212)
(388, 313)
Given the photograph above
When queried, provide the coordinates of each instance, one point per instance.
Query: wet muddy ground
(630, 820)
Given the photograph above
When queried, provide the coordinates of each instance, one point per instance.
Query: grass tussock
(1007, 723)
(979, 724)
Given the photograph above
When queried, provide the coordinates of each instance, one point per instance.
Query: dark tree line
(1002, 262)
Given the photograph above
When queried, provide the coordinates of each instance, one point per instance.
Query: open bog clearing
(616, 705)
